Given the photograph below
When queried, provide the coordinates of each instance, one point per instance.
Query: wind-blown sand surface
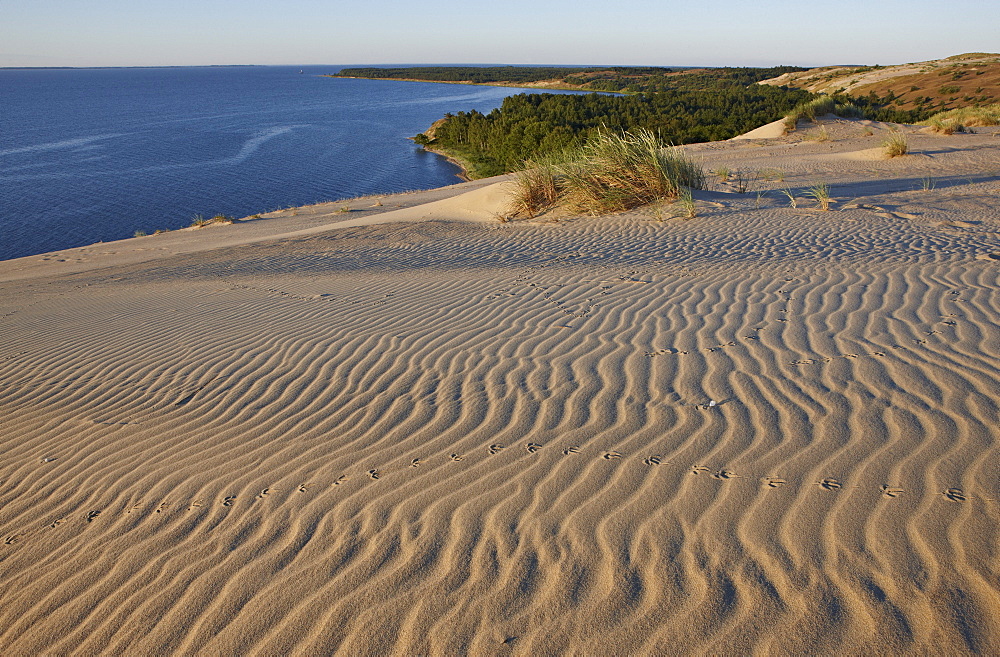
(440, 436)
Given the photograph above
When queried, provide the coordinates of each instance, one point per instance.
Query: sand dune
(439, 436)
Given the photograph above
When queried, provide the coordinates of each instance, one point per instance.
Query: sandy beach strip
(409, 428)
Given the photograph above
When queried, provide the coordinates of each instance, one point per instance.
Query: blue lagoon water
(89, 155)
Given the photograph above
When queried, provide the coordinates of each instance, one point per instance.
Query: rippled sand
(767, 429)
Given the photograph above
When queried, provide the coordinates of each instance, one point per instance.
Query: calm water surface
(94, 155)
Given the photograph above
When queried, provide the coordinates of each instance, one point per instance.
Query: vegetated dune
(766, 429)
(962, 80)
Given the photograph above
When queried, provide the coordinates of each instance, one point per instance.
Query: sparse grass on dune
(809, 110)
(957, 119)
(611, 173)
(895, 145)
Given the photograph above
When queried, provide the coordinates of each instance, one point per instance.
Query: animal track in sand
(495, 448)
(265, 492)
(669, 351)
(58, 522)
(532, 447)
(12, 539)
(163, 507)
(571, 450)
(829, 484)
(374, 474)
(342, 479)
(135, 506)
(92, 515)
(829, 359)
(229, 500)
(304, 488)
(890, 491)
(654, 459)
(725, 474)
(456, 457)
(415, 463)
(197, 504)
(698, 469)
(955, 494)
(612, 455)
(774, 482)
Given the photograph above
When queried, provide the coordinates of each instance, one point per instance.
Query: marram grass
(895, 145)
(612, 173)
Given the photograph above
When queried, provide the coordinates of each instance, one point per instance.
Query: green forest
(497, 74)
(681, 106)
(528, 126)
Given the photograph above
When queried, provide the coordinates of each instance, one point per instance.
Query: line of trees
(528, 126)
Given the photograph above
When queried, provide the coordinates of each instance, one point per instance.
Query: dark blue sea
(89, 155)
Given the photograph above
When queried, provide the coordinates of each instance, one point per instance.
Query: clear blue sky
(664, 32)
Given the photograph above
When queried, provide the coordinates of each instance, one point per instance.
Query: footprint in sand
(304, 488)
(698, 469)
(829, 484)
(774, 482)
(532, 447)
(955, 494)
(134, 507)
(415, 463)
(652, 460)
(571, 450)
(889, 491)
(163, 507)
(456, 457)
(92, 515)
(12, 539)
(343, 478)
(58, 522)
(265, 492)
(725, 474)
(374, 474)
(612, 455)
(229, 500)
(197, 504)
(495, 448)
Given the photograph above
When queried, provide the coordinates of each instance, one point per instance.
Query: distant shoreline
(516, 85)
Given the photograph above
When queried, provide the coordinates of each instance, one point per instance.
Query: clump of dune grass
(895, 145)
(611, 173)
(619, 172)
(944, 127)
(686, 204)
(792, 201)
(971, 117)
(821, 193)
(956, 120)
(537, 188)
(745, 181)
(809, 110)
(198, 221)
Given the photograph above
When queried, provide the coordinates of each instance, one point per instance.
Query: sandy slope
(440, 437)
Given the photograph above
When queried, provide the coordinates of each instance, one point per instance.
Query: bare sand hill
(767, 429)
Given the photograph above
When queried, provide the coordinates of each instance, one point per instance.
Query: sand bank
(334, 431)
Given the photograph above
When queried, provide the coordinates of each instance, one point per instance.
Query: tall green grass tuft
(611, 173)
(895, 145)
(619, 172)
(537, 188)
